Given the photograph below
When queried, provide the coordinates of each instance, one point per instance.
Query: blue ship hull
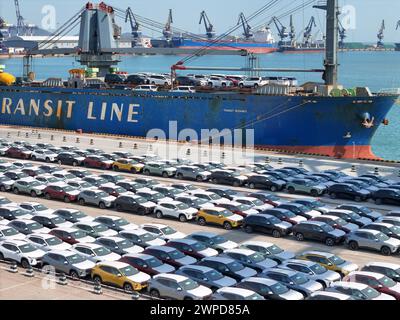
(322, 125)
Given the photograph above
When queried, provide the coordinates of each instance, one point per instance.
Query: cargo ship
(314, 118)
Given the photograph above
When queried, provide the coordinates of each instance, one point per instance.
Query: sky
(363, 17)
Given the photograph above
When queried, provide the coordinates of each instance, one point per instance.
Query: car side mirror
(291, 283)
(69, 237)
(220, 216)
(380, 286)
(179, 289)
(145, 266)
(330, 264)
(119, 275)
(311, 273)
(270, 292)
(65, 262)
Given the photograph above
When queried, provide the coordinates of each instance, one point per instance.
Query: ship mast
(332, 26)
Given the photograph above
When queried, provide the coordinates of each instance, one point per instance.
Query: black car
(79, 173)
(228, 267)
(49, 169)
(135, 79)
(112, 78)
(129, 185)
(262, 181)
(284, 215)
(266, 224)
(391, 271)
(265, 197)
(319, 231)
(133, 204)
(297, 170)
(113, 178)
(15, 175)
(361, 210)
(298, 209)
(350, 216)
(386, 195)
(390, 230)
(268, 288)
(348, 191)
(224, 193)
(147, 182)
(12, 213)
(227, 177)
(48, 221)
(69, 158)
(71, 215)
(185, 81)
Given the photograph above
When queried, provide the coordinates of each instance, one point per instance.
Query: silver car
(251, 259)
(313, 270)
(97, 198)
(269, 250)
(213, 240)
(47, 242)
(372, 239)
(192, 172)
(95, 252)
(229, 293)
(177, 287)
(69, 262)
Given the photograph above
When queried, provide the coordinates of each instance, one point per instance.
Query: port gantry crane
(308, 32)
(342, 35)
(246, 27)
(21, 27)
(208, 25)
(134, 26)
(381, 35)
(167, 32)
(292, 32)
(282, 32)
(398, 25)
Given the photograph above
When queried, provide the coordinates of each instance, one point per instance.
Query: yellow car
(127, 165)
(121, 275)
(219, 216)
(329, 261)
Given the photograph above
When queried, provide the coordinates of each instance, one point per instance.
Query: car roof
(224, 260)
(367, 273)
(64, 253)
(384, 264)
(258, 243)
(91, 245)
(283, 271)
(316, 223)
(340, 296)
(246, 252)
(374, 232)
(138, 231)
(109, 217)
(113, 238)
(238, 291)
(318, 253)
(114, 264)
(16, 242)
(162, 248)
(353, 285)
(176, 277)
(302, 262)
(203, 269)
(170, 202)
(218, 209)
(204, 234)
(266, 281)
(155, 225)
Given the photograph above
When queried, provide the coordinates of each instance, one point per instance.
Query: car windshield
(25, 248)
(53, 241)
(128, 271)
(48, 152)
(176, 191)
(102, 194)
(214, 275)
(198, 246)
(168, 231)
(78, 214)
(182, 206)
(147, 237)
(354, 215)
(78, 234)
(274, 220)
(35, 226)
(257, 202)
(76, 258)
(218, 240)
(243, 207)
(68, 188)
(254, 296)
(102, 251)
(119, 189)
(40, 207)
(176, 254)
(278, 288)
(341, 221)
(124, 244)
(318, 269)
(199, 201)
(35, 183)
(235, 266)
(387, 282)
(9, 232)
(157, 196)
(395, 229)
(256, 257)
(226, 213)
(381, 236)
(368, 293)
(215, 196)
(327, 228)
(365, 210)
(188, 284)
(336, 260)
(141, 200)
(100, 227)
(121, 222)
(19, 212)
(274, 249)
(52, 179)
(57, 220)
(299, 279)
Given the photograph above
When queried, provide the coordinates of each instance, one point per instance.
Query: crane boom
(342, 35)
(292, 32)
(208, 25)
(20, 20)
(308, 31)
(167, 32)
(246, 27)
(381, 35)
(398, 25)
(282, 32)
(134, 26)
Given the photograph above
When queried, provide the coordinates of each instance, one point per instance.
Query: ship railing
(389, 91)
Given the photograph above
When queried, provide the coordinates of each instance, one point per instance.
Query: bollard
(13, 268)
(301, 164)
(18, 133)
(91, 142)
(29, 272)
(64, 139)
(39, 136)
(150, 147)
(26, 135)
(135, 146)
(223, 155)
(62, 279)
(78, 140)
(280, 161)
(120, 145)
(267, 160)
(353, 168)
(8, 134)
(52, 137)
(97, 288)
(135, 295)
(376, 171)
(188, 152)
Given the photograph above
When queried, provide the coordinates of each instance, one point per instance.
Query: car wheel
(102, 205)
(25, 264)
(357, 199)
(214, 181)
(118, 207)
(182, 218)
(276, 234)
(97, 279)
(47, 160)
(299, 236)
(115, 168)
(33, 158)
(146, 172)
(333, 195)
(252, 186)
(155, 294)
(75, 164)
(74, 275)
(165, 174)
(66, 199)
(1, 257)
(227, 225)
(248, 229)
(353, 245)
(47, 196)
(386, 251)
(314, 193)
(199, 178)
(223, 84)
(180, 176)
(3, 189)
(133, 170)
(188, 298)
(16, 191)
(159, 214)
(128, 288)
(273, 188)
(256, 86)
(33, 194)
(236, 184)
(329, 242)
(291, 190)
(210, 84)
(378, 201)
(82, 201)
(202, 221)
(323, 284)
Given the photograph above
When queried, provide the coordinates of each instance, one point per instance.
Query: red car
(147, 263)
(236, 208)
(267, 198)
(377, 281)
(94, 161)
(192, 248)
(337, 223)
(112, 189)
(18, 152)
(61, 191)
(71, 235)
(33, 172)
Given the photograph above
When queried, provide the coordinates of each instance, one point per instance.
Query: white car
(188, 89)
(210, 197)
(36, 208)
(95, 252)
(22, 252)
(142, 238)
(95, 229)
(116, 223)
(219, 82)
(358, 290)
(44, 155)
(158, 79)
(5, 183)
(64, 175)
(254, 203)
(81, 184)
(163, 231)
(47, 242)
(253, 82)
(9, 233)
(145, 87)
(175, 209)
(232, 293)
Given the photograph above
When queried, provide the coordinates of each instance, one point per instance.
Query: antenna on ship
(330, 75)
